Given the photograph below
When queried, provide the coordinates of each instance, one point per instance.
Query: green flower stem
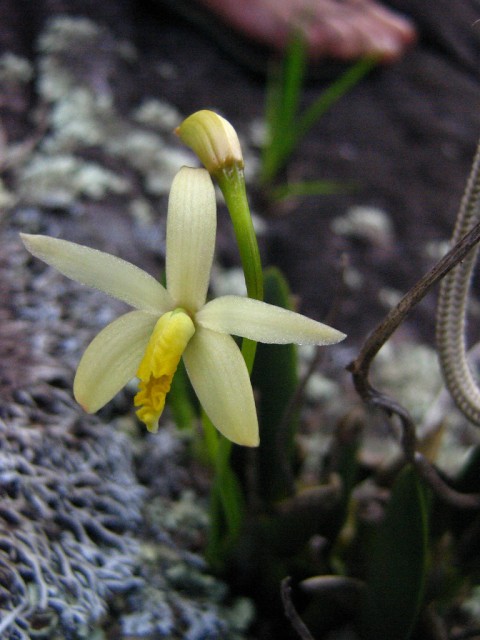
(227, 504)
(226, 498)
(216, 144)
(231, 181)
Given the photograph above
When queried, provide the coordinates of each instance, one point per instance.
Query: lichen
(157, 114)
(83, 117)
(410, 372)
(365, 223)
(13, 68)
(69, 505)
(60, 180)
(65, 63)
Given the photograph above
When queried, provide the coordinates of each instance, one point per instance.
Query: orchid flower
(174, 322)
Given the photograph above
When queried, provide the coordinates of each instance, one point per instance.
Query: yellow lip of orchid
(159, 363)
(176, 321)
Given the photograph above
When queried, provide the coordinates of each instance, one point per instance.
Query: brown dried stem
(291, 613)
(360, 369)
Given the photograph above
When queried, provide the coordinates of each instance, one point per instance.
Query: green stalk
(231, 181)
(215, 142)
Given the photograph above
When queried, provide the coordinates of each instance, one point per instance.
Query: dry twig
(360, 368)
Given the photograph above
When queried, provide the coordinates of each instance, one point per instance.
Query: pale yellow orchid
(176, 321)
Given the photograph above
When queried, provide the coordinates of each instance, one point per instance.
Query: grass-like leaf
(285, 125)
(283, 96)
(309, 188)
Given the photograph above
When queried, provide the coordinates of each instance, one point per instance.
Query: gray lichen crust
(69, 504)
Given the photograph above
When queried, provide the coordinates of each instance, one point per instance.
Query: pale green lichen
(186, 521)
(79, 121)
(147, 153)
(59, 180)
(365, 223)
(14, 69)
(157, 114)
(410, 372)
(64, 63)
(83, 116)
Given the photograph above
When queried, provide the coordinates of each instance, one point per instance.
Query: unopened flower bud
(213, 139)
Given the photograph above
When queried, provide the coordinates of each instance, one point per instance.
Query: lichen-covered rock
(69, 507)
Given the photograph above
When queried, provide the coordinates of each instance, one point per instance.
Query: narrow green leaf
(293, 79)
(285, 126)
(310, 188)
(283, 97)
(332, 94)
(397, 563)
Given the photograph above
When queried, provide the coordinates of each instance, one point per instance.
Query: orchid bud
(213, 139)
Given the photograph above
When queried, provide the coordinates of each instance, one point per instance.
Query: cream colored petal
(264, 322)
(219, 376)
(112, 359)
(101, 270)
(191, 229)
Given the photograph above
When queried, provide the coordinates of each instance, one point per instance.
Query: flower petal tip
(29, 240)
(83, 404)
(245, 440)
(254, 442)
(338, 336)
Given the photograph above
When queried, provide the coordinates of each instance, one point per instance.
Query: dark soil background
(406, 136)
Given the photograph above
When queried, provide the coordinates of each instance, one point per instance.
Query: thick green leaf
(397, 563)
(275, 380)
